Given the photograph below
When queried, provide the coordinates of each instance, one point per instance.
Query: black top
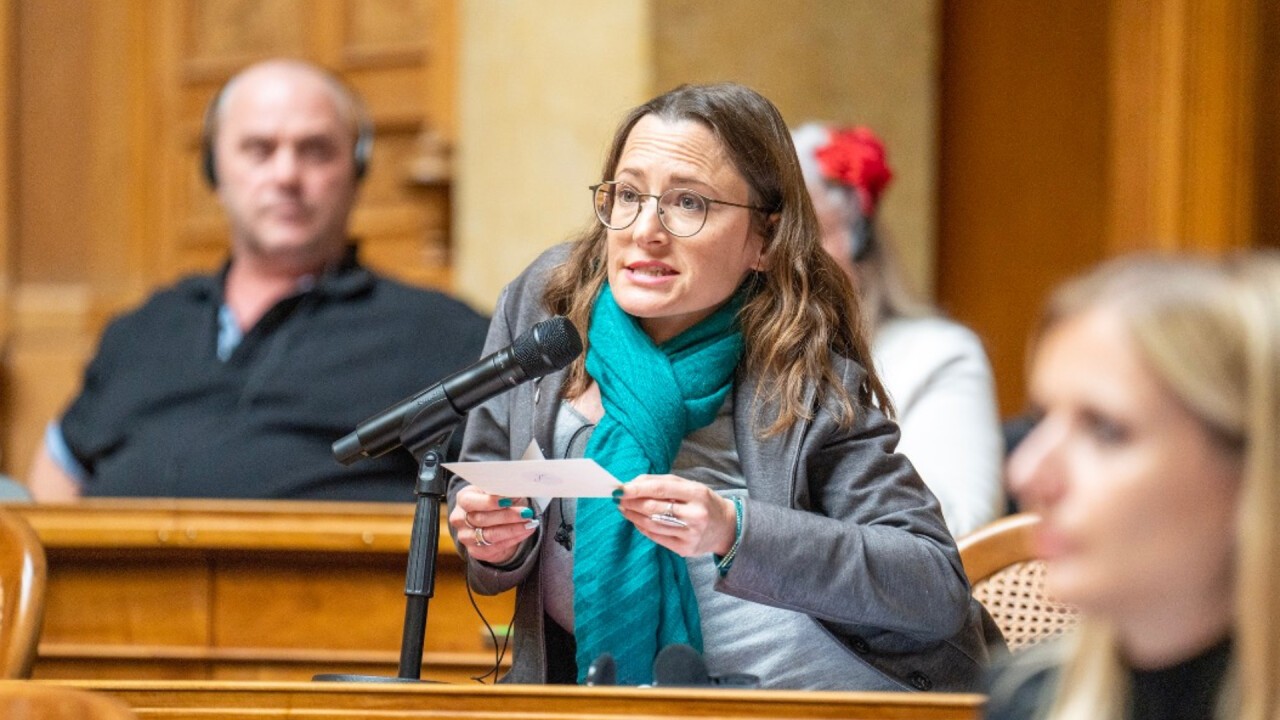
(161, 416)
(1186, 691)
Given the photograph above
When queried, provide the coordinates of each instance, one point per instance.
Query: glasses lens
(616, 206)
(603, 201)
(683, 211)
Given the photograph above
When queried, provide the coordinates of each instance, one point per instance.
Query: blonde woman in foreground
(1155, 466)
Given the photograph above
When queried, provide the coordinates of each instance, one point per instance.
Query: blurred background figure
(234, 384)
(1156, 469)
(935, 370)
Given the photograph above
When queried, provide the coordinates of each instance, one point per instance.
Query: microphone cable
(499, 650)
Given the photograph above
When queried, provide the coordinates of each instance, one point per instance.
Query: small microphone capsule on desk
(602, 671)
(679, 665)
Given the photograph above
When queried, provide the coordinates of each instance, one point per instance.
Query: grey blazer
(836, 526)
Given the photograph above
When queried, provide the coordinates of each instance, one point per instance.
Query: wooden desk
(264, 701)
(269, 590)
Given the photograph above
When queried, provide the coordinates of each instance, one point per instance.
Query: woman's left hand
(704, 521)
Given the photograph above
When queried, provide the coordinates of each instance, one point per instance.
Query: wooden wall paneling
(375, 31)
(1183, 124)
(144, 160)
(42, 370)
(1222, 40)
(1073, 132)
(117, 166)
(403, 222)
(218, 36)
(442, 70)
(75, 246)
(7, 107)
(1023, 165)
(55, 125)
(1266, 211)
(403, 225)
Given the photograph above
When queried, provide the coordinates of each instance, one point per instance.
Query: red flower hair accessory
(855, 158)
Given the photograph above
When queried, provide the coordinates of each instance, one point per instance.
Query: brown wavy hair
(801, 307)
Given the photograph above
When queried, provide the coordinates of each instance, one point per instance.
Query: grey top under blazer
(837, 526)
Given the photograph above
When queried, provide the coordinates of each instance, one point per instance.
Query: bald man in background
(235, 385)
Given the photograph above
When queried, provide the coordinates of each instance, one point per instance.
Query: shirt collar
(345, 279)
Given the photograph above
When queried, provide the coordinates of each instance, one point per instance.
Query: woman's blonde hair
(800, 308)
(1210, 331)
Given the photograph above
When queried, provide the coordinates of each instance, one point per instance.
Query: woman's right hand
(491, 527)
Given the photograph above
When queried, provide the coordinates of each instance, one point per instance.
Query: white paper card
(580, 477)
(540, 502)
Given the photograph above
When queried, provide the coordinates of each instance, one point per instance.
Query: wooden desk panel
(262, 701)
(244, 590)
(143, 598)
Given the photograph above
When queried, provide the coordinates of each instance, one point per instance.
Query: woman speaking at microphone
(765, 519)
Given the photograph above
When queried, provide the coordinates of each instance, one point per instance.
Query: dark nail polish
(617, 494)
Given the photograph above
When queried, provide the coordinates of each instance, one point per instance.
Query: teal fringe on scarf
(633, 597)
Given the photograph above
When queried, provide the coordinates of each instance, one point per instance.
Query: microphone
(679, 665)
(602, 671)
(548, 346)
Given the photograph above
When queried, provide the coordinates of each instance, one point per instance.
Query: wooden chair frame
(1008, 579)
(23, 574)
(997, 545)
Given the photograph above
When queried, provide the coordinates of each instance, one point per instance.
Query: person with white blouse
(935, 370)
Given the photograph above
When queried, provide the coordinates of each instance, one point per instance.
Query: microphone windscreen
(548, 346)
(602, 671)
(680, 665)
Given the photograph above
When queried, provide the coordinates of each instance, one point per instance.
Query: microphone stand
(427, 446)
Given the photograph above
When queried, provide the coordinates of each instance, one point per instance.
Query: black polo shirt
(161, 416)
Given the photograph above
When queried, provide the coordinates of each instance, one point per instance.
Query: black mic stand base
(341, 677)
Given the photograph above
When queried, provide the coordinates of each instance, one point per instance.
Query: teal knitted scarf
(632, 597)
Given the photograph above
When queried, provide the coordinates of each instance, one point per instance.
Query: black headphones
(362, 152)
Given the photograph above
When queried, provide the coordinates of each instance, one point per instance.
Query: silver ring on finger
(479, 536)
(668, 516)
(466, 519)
